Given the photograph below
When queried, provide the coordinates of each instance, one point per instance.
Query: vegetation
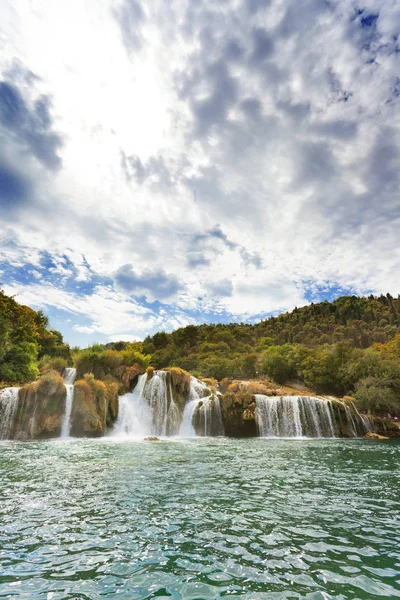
(25, 339)
(351, 345)
(106, 363)
(95, 406)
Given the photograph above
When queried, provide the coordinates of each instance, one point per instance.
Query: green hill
(349, 346)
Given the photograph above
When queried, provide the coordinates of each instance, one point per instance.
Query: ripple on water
(197, 519)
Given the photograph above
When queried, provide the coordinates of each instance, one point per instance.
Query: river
(199, 519)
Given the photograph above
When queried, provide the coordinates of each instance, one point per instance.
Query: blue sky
(171, 163)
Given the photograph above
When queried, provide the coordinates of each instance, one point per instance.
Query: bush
(50, 383)
(377, 395)
(102, 362)
(278, 362)
(131, 356)
(52, 363)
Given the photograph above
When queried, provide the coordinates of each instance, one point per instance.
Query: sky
(173, 162)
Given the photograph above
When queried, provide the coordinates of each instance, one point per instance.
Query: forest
(350, 346)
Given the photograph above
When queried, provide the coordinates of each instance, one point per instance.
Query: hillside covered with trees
(26, 342)
(347, 347)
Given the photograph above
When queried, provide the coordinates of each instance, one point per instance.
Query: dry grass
(180, 379)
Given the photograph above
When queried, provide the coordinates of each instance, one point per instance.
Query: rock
(129, 375)
(41, 408)
(151, 438)
(87, 416)
(375, 436)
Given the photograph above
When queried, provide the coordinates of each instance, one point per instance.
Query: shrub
(377, 395)
(50, 383)
(278, 362)
(52, 363)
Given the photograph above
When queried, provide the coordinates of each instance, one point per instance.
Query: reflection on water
(199, 519)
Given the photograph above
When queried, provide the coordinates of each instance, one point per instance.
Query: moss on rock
(87, 416)
(180, 380)
(41, 408)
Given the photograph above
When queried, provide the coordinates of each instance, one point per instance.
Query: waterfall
(156, 394)
(152, 409)
(201, 410)
(69, 378)
(134, 415)
(8, 407)
(294, 416)
(210, 416)
(197, 389)
(148, 409)
(174, 415)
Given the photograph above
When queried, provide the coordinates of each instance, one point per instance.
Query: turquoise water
(200, 519)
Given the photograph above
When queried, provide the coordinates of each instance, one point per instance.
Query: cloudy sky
(177, 161)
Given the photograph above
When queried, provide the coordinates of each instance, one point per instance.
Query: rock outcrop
(95, 407)
(238, 414)
(40, 408)
(375, 436)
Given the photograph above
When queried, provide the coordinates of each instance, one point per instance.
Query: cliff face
(385, 427)
(95, 407)
(238, 414)
(238, 404)
(314, 416)
(40, 408)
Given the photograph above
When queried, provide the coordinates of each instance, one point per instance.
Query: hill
(349, 346)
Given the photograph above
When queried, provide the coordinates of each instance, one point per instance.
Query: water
(298, 416)
(8, 409)
(69, 378)
(203, 410)
(134, 416)
(199, 519)
(197, 389)
(152, 410)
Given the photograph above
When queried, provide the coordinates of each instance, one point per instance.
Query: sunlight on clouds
(219, 162)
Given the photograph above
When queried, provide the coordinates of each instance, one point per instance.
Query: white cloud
(246, 150)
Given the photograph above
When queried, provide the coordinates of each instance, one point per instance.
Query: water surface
(199, 519)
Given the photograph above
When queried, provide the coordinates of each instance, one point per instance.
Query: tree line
(348, 346)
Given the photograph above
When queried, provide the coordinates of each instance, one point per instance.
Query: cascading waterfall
(204, 409)
(8, 408)
(306, 416)
(151, 409)
(134, 415)
(174, 415)
(69, 378)
(197, 389)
